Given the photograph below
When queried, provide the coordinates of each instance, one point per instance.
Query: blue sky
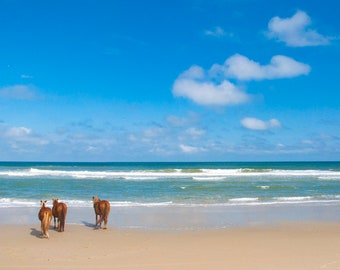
(189, 80)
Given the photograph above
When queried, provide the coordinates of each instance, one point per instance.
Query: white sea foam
(209, 178)
(322, 200)
(143, 178)
(244, 200)
(196, 174)
(301, 198)
(329, 177)
(8, 202)
(263, 187)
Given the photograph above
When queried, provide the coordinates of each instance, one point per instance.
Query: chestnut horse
(101, 210)
(45, 216)
(59, 211)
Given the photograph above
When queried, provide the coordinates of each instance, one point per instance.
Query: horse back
(102, 207)
(45, 211)
(59, 209)
(62, 208)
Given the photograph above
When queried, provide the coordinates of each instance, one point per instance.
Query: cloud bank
(213, 87)
(295, 31)
(18, 92)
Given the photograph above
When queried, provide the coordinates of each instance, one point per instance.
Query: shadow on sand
(89, 225)
(35, 232)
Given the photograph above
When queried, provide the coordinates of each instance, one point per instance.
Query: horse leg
(62, 224)
(47, 234)
(105, 222)
(42, 228)
(63, 219)
(96, 224)
(99, 221)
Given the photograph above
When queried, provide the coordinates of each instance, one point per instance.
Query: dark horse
(59, 212)
(101, 210)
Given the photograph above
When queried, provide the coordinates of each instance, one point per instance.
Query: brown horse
(59, 211)
(45, 216)
(101, 210)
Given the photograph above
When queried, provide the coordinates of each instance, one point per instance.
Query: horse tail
(62, 217)
(46, 223)
(107, 210)
(105, 214)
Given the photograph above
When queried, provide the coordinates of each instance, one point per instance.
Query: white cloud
(242, 68)
(294, 31)
(194, 132)
(197, 86)
(215, 32)
(17, 132)
(177, 121)
(257, 124)
(209, 93)
(18, 92)
(25, 76)
(212, 87)
(189, 149)
(22, 135)
(153, 132)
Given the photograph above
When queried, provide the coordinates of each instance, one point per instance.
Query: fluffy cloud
(294, 31)
(242, 68)
(197, 86)
(17, 132)
(21, 135)
(18, 92)
(257, 124)
(213, 87)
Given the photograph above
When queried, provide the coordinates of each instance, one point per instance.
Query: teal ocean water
(126, 184)
(166, 186)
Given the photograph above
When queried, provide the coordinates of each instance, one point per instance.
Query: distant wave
(246, 201)
(196, 174)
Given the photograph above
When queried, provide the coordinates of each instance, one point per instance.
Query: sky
(180, 80)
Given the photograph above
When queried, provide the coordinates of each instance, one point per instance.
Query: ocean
(175, 194)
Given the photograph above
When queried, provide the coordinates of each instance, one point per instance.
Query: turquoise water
(173, 184)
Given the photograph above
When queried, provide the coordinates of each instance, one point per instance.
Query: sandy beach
(285, 246)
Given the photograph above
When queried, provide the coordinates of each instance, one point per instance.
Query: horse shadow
(89, 225)
(35, 232)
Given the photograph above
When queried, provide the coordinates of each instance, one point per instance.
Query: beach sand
(284, 246)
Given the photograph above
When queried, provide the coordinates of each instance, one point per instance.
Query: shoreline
(283, 246)
(185, 218)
